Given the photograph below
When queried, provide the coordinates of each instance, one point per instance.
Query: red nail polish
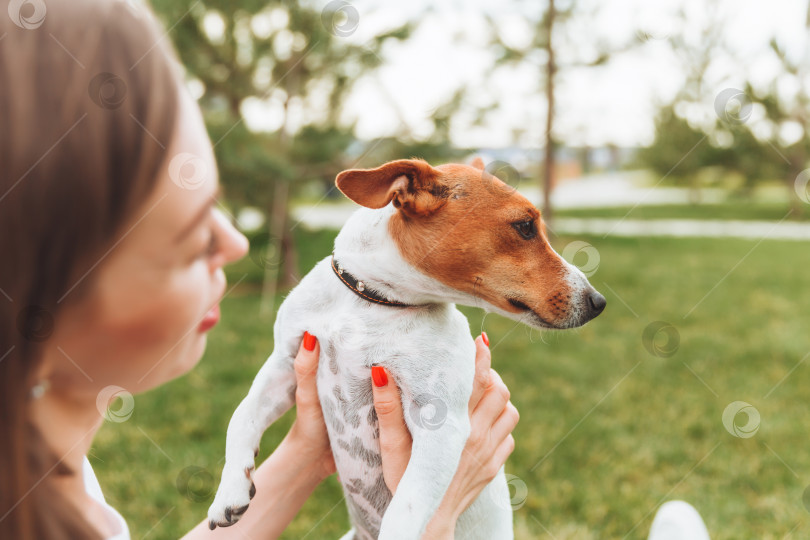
(486, 338)
(379, 376)
(309, 341)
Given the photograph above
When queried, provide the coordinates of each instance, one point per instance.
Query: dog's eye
(526, 229)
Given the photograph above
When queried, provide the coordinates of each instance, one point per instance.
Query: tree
(549, 38)
(728, 139)
(291, 60)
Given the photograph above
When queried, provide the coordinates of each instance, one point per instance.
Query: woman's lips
(211, 318)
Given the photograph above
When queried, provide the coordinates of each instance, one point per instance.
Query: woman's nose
(232, 244)
(236, 244)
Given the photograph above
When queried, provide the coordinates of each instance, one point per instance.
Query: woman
(113, 252)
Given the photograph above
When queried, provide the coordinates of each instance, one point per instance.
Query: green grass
(740, 210)
(607, 430)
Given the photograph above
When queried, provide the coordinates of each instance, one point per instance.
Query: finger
(504, 424)
(492, 403)
(483, 362)
(306, 366)
(503, 451)
(395, 439)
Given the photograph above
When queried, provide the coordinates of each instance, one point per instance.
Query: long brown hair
(88, 101)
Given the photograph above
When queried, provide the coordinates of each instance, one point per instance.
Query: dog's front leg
(271, 395)
(437, 447)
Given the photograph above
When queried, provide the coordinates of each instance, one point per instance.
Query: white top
(94, 490)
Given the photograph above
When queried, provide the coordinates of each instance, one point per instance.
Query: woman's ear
(412, 184)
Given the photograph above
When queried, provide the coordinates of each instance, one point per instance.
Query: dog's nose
(596, 303)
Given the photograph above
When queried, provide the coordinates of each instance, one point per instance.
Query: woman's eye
(526, 229)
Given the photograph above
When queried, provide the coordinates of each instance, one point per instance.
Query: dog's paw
(233, 497)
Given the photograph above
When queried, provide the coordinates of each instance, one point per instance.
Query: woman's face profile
(143, 317)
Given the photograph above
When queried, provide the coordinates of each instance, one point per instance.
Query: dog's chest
(344, 388)
(351, 342)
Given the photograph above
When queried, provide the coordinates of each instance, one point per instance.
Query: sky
(615, 103)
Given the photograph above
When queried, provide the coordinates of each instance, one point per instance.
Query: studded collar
(359, 288)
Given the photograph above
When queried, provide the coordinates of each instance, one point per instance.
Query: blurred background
(666, 143)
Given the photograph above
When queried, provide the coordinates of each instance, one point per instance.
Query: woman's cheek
(160, 313)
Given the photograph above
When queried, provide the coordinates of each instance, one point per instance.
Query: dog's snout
(596, 303)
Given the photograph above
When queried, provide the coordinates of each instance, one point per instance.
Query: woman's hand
(492, 419)
(308, 432)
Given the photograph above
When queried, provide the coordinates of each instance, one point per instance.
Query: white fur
(430, 355)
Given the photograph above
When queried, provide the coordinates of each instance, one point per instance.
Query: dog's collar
(359, 288)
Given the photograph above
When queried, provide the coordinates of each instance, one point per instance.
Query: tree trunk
(548, 175)
(275, 228)
(289, 255)
(282, 272)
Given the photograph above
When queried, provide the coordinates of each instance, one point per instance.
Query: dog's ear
(478, 163)
(411, 183)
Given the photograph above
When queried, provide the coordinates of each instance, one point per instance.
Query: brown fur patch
(469, 244)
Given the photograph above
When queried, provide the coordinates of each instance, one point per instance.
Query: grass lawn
(739, 210)
(608, 430)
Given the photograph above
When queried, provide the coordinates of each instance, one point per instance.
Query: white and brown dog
(427, 238)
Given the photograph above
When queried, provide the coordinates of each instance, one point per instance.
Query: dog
(427, 238)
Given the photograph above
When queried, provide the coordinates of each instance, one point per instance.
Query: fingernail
(379, 376)
(485, 338)
(309, 341)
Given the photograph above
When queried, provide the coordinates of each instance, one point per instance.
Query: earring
(39, 389)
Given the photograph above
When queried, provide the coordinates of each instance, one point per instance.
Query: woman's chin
(189, 358)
